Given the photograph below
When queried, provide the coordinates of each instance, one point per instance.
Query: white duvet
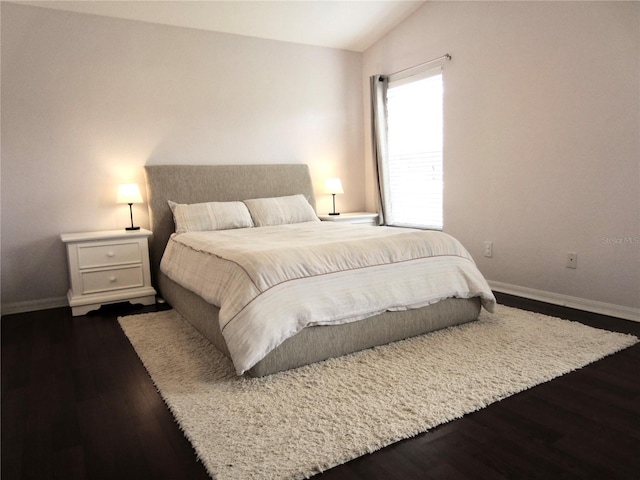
(271, 282)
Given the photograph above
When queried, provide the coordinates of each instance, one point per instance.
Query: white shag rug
(294, 424)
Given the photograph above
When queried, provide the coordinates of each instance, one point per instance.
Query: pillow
(200, 217)
(281, 210)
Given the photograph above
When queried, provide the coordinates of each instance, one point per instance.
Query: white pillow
(200, 217)
(281, 210)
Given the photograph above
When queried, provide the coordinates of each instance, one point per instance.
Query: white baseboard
(618, 311)
(34, 305)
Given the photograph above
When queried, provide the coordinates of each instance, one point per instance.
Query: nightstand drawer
(108, 280)
(91, 256)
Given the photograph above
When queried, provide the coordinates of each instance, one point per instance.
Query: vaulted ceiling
(349, 25)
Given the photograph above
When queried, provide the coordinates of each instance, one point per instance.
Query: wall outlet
(572, 260)
(488, 249)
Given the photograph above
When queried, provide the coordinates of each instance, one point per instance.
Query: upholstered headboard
(214, 183)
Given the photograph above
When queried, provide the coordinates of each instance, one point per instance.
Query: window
(414, 140)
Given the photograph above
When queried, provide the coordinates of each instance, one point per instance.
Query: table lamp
(129, 193)
(333, 186)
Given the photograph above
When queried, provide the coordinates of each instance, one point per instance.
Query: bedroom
(542, 125)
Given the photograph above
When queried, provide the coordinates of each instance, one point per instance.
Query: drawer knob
(112, 279)
(111, 254)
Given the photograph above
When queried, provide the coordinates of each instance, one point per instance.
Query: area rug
(294, 424)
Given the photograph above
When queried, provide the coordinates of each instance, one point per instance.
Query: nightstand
(108, 267)
(364, 218)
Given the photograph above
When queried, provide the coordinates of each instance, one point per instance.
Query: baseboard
(34, 305)
(618, 311)
(612, 310)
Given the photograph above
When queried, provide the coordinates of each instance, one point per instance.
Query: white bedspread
(271, 282)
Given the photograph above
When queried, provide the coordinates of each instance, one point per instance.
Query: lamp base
(132, 228)
(334, 213)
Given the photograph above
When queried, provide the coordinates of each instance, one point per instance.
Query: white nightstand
(108, 267)
(365, 218)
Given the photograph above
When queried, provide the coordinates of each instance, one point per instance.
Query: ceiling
(350, 25)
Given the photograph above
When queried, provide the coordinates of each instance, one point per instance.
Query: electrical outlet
(488, 249)
(572, 260)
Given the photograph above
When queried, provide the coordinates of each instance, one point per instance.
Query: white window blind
(415, 137)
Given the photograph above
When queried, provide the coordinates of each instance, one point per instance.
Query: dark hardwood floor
(77, 403)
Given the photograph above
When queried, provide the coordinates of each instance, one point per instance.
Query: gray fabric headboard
(214, 183)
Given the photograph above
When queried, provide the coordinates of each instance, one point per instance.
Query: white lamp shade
(333, 185)
(129, 193)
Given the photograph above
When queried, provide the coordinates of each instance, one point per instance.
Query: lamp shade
(333, 186)
(129, 193)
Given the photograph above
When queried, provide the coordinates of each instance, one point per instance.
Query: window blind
(415, 162)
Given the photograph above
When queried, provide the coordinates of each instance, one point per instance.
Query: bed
(291, 342)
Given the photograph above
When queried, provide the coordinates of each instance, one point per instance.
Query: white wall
(87, 101)
(542, 137)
